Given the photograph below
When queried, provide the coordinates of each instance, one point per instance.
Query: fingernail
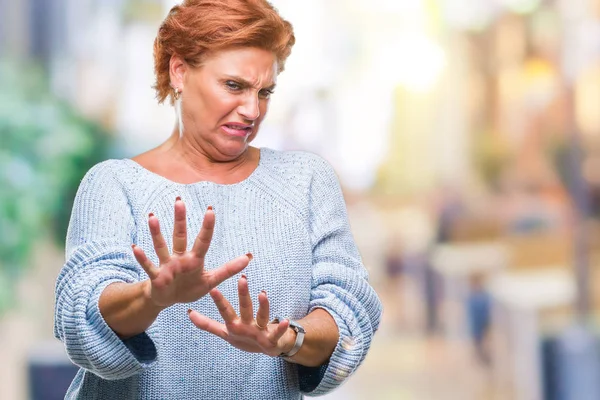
(263, 291)
(189, 310)
(244, 276)
(250, 256)
(210, 208)
(150, 215)
(133, 246)
(177, 198)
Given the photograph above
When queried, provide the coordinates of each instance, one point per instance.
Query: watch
(296, 327)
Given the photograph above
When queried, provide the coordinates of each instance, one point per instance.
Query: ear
(177, 69)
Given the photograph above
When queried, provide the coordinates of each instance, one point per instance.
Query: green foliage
(45, 148)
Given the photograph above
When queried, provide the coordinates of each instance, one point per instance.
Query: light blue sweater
(289, 213)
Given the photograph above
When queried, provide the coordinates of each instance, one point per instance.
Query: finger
(145, 262)
(179, 228)
(280, 330)
(246, 311)
(227, 270)
(224, 307)
(262, 315)
(207, 324)
(160, 246)
(205, 235)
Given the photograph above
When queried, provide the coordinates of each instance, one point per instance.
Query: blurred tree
(45, 148)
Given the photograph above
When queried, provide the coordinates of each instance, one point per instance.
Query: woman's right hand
(181, 277)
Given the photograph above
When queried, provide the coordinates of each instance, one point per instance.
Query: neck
(191, 158)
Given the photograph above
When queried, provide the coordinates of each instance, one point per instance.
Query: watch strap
(299, 337)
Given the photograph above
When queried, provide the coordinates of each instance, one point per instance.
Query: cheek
(263, 107)
(222, 103)
(213, 102)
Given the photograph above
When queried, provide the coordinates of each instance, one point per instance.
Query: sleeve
(339, 285)
(98, 253)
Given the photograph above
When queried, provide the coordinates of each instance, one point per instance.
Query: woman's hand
(244, 331)
(181, 277)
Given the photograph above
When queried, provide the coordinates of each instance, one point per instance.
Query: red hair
(196, 28)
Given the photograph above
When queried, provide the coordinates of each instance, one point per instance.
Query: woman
(131, 304)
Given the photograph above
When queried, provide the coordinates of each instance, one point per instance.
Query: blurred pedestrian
(479, 305)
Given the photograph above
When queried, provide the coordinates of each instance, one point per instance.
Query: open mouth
(237, 130)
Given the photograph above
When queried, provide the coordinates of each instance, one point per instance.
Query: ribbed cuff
(345, 359)
(89, 341)
(112, 357)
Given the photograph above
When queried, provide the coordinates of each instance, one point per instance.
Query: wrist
(149, 303)
(289, 340)
(296, 337)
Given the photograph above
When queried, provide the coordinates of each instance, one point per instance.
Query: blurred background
(466, 135)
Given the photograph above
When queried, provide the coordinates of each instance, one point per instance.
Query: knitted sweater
(289, 213)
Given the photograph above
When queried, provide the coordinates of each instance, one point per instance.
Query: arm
(127, 308)
(98, 254)
(339, 286)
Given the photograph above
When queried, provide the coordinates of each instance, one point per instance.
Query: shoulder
(107, 172)
(107, 167)
(295, 162)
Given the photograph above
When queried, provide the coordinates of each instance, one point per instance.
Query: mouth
(237, 129)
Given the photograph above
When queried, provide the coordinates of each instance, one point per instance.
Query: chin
(232, 149)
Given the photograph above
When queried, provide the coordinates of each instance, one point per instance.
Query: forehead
(254, 65)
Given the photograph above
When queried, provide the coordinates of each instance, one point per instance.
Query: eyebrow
(248, 83)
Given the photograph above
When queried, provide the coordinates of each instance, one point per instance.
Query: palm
(245, 332)
(181, 277)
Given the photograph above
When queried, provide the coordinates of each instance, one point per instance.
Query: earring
(177, 93)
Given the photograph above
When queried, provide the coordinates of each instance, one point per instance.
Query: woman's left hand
(254, 335)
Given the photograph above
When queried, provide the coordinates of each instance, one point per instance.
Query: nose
(250, 109)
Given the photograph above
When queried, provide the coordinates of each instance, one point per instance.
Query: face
(225, 99)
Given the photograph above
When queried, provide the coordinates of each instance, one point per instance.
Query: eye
(232, 85)
(265, 93)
